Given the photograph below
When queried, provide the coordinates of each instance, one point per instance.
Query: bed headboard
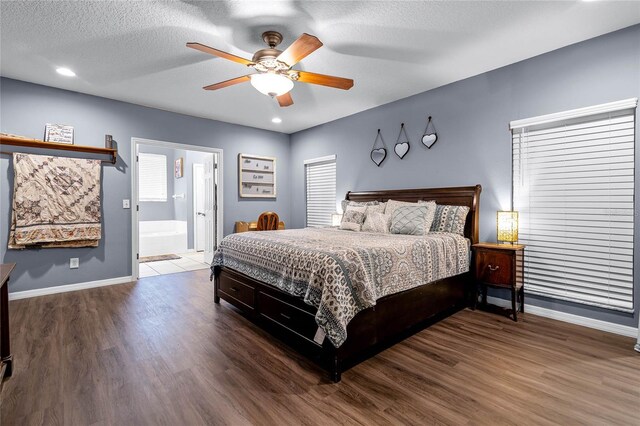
(456, 196)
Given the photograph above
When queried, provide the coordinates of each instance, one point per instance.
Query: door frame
(135, 141)
(195, 210)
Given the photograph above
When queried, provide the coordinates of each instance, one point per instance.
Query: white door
(198, 206)
(210, 202)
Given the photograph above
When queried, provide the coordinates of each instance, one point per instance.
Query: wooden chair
(268, 221)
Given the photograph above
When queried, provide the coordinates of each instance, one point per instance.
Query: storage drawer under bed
(237, 293)
(286, 315)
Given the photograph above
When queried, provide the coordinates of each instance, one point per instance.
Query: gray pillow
(450, 219)
(392, 205)
(412, 220)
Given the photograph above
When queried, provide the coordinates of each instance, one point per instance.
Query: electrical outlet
(126, 204)
(74, 263)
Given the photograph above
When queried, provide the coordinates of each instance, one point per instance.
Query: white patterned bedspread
(343, 272)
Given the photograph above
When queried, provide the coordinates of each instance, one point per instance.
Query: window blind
(152, 177)
(573, 186)
(321, 190)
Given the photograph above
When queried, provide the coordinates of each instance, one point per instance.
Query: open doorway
(177, 207)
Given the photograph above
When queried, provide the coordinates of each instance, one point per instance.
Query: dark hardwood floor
(160, 352)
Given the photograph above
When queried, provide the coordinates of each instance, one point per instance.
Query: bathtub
(162, 237)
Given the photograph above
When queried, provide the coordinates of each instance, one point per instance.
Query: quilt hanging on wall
(56, 202)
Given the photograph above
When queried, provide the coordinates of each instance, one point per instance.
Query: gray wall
(474, 145)
(180, 186)
(160, 210)
(24, 110)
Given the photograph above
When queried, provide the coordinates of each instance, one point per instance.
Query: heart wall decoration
(429, 140)
(378, 155)
(401, 148)
(430, 137)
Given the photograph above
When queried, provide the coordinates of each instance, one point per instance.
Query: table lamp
(507, 227)
(336, 218)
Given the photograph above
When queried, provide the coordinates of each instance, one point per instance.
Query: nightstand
(502, 266)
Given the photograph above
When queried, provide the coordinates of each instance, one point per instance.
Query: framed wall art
(178, 168)
(256, 176)
(58, 133)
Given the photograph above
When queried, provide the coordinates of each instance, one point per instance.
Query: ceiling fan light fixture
(271, 84)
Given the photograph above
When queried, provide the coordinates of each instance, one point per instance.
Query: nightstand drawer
(494, 267)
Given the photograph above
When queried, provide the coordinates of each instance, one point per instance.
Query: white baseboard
(69, 287)
(610, 327)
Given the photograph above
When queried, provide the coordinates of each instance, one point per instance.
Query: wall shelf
(36, 143)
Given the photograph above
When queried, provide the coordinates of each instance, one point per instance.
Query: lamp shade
(271, 84)
(508, 226)
(336, 218)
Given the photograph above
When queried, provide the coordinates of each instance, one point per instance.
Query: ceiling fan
(274, 76)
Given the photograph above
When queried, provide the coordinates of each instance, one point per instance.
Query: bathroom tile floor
(187, 262)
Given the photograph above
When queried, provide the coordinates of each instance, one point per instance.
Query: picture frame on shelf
(256, 176)
(58, 133)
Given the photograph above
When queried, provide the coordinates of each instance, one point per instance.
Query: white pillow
(346, 203)
(377, 222)
(378, 208)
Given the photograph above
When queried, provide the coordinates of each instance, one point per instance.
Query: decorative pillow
(412, 220)
(450, 219)
(376, 222)
(431, 214)
(378, 208)
(353, 218)
(392, 205)
(346, 203)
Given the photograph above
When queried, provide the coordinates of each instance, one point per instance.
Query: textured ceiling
(135, 51)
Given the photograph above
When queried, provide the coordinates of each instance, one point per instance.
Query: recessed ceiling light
(65, 71)
(276, 120)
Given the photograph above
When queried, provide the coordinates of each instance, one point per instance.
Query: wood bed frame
(391, 320)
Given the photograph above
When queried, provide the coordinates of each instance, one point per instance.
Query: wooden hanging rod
(36, 143)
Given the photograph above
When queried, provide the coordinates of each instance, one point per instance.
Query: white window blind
(573, 186)
(320, 175)
(152, 177)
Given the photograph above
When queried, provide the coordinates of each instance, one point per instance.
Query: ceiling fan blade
(285, 100)
(219, 53)
(325, 80)
(227, 83)
(299, 49)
